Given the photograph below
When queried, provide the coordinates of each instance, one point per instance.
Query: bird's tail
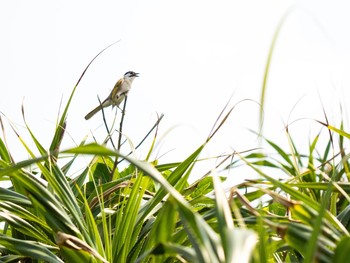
(107, 102)
(93, 112)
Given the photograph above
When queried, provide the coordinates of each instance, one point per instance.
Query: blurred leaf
(298, 235)
(76, 250)
(163, 226)
(28, 248)
(4, 154)
(277, 209)
(339, 131)
(344, 217)
(268, 63)
(11, 258)
(101, 169)
(14, 197)
(203, 187)
(24, 221)
(241, 242)
(342, 251)
(170, 249)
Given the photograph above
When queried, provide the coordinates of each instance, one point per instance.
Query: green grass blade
(4, 153)
(268, 64)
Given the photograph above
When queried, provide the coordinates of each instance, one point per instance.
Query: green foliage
(149, 212)
(123, 209)
(139, 215)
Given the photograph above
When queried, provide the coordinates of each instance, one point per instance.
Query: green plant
(143, 213)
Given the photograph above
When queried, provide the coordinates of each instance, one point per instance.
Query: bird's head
(131, 75)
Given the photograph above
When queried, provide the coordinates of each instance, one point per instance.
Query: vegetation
(149, 212)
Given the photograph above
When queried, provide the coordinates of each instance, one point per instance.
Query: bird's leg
(121, 109)
(125, 95)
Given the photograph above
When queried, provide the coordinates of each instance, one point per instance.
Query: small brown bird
(118, 94)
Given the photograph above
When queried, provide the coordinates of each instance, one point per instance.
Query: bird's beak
(137, 74)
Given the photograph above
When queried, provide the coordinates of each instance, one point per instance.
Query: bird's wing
(116, 89)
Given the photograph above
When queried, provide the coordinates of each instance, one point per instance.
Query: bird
(117, 95)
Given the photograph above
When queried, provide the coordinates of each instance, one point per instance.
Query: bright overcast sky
(191, 56)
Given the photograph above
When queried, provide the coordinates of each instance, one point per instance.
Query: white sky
(191, 55)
